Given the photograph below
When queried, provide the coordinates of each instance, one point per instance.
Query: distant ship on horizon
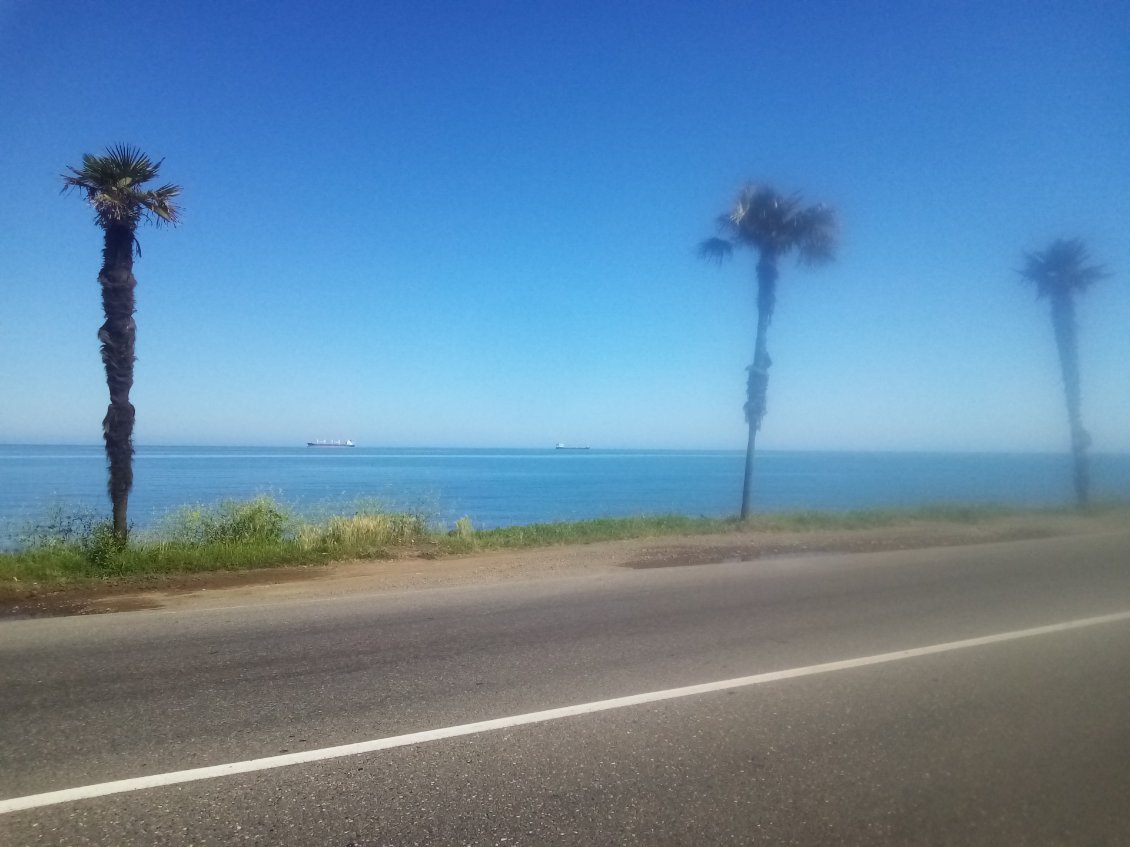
(346, 443)
(561, 446)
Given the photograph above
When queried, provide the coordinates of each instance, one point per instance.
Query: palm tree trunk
(117, 335)
(1066, 341)
(758, 383)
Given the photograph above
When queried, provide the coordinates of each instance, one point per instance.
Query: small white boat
(561, 446)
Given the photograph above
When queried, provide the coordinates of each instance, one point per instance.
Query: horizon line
(589, 448)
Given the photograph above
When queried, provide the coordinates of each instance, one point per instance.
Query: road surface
(829, 723)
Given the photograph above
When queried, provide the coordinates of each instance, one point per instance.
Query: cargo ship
(346, 443)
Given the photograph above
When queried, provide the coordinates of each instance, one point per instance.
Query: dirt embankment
(412, 571)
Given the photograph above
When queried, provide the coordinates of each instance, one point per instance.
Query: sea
(495, 487)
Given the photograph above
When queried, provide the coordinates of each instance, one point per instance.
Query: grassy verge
(242, 535)
(616, 529)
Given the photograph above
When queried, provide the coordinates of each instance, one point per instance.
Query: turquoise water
(502, 487)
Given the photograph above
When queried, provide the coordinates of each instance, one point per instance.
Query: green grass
(260, 533)
(230, 535)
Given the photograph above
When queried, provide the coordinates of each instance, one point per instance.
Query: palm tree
(1060, 272)
(113, 185)
(774, 225)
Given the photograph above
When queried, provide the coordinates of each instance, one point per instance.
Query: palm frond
(1062, 266)
(816, 234)
(129, 163)
(759, 214)
(715, 250)
(159, 201)
(762, 218)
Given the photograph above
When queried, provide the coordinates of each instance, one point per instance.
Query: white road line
(141, 783)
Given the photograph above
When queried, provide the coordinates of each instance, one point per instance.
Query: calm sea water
(502, 487)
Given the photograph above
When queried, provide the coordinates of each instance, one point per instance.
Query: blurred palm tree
(774, 225)
(113, 185)
(1060, 272)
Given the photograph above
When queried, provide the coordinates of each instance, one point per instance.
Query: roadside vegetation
(78, 548)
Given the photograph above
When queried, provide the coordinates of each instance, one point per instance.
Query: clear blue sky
(474, 224)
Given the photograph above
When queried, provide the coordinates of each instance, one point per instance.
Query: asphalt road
(1024, 741)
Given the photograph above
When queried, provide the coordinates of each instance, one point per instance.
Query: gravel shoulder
(414, 571)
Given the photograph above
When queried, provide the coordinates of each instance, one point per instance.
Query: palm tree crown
(112, 184)
(1061, 268)
(775, 224)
